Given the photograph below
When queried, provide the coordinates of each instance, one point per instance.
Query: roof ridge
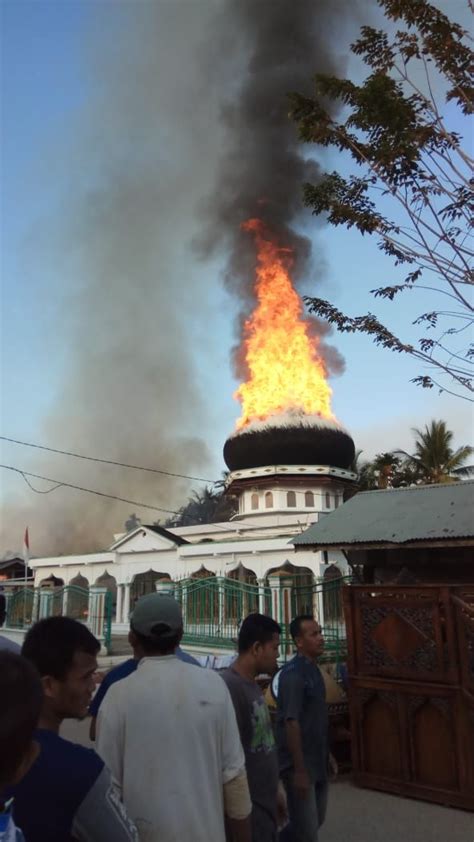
(423, 486)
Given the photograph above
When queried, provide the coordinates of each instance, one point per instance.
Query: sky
(117, 329)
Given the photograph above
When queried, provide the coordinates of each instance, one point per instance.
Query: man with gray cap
(169, 735)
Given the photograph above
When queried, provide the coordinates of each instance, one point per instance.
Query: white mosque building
(285, 477)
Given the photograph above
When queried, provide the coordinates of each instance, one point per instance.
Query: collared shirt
(169, 734)
(302, 696)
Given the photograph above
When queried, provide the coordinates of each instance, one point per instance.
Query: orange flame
(286, 371)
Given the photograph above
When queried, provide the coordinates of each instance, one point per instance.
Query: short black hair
(51, 645)
(295, 625)
(21, 698)
(162, 642)
(256, 628)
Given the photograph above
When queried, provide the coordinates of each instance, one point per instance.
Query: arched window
(309, 498)
(268, 500)
(336, 501)
(291, 499)
(332, 595)
(328, 500)
(254, 501)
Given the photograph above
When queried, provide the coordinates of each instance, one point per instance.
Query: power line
(25, 474)
(106, 461)
(60, 484)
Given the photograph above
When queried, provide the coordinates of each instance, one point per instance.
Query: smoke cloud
(185, 135)
(262, 168)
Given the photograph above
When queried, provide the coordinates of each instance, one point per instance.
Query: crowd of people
(183, 753)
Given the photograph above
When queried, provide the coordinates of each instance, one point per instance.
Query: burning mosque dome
(290, 439)
(287, 419)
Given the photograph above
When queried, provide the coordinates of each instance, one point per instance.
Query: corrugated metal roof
(424, 513)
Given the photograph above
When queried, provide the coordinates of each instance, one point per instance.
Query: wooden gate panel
(411, 740)
(411, 690)
(403, 632)
(465, 629)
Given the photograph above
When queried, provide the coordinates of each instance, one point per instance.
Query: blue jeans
(307, 813)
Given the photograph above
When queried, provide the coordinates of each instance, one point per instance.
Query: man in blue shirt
(122, 671)
(302, 732)
(68, 791)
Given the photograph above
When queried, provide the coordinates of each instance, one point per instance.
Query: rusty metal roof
(397, 516)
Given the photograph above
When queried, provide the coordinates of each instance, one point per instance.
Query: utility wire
(106, 461)
(60, 484)
(25, 474)
(40, 490)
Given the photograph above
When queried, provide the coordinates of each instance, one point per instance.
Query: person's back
(117, 674)
(169, 734)
(175, 751)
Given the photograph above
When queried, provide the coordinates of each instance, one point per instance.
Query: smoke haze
(185, 136)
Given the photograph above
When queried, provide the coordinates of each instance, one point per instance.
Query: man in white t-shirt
(169, 735)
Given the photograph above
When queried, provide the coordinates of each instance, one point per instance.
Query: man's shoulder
(120, 671)
(292, 668)
(54, 745)
(8, 645)
(186, 658)
(238, 684)
(209, 680)
(230, 676)
(70, 764)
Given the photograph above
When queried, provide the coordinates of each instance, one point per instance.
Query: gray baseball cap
(157, 615)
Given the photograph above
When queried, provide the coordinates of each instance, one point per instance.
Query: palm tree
(434, 460)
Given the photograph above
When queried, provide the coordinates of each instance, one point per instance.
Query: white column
(221, 604)
(96, 615)
(45, 602)
(261, 596)
(184, 603)
(65, 601)
(8, 597)
(36, 605)
(281, 587)
(126, 603)
(118, 607)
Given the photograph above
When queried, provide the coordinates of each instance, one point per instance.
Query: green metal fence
(214, 607)
(20, 605)
(25, 606)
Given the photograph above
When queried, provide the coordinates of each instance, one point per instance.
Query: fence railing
(24, 606)
(214, 607)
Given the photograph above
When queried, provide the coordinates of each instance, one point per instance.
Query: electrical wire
(58, 484)
(106, 461)
(25, 474)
